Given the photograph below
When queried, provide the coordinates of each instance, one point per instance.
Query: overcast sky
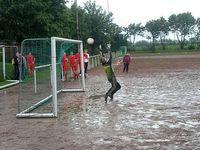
(141, 11)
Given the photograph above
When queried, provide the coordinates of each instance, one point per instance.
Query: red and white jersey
(86, 57)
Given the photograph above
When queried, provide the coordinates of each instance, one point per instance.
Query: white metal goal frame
(12, 82)
(27, 112)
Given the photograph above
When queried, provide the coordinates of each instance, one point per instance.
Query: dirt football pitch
(157, 108)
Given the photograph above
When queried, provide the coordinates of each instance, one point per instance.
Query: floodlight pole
(77, 23)
(108, 6)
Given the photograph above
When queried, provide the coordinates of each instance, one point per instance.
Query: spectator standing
(126, 61)
(15, 62)
(22, 66)
(86, 57)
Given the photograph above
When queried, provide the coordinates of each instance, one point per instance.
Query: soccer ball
(90, 41)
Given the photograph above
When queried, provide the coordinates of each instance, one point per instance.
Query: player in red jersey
(30, 63)
(74, 65)
(78, 60)
(64, 65)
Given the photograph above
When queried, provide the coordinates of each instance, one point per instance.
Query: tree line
(183, 26)
(21, 19)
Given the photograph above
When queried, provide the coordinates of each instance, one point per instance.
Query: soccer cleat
(105, 100)
(111, 96)
(106, 97)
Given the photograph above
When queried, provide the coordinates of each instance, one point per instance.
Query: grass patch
(9, 68)
(2, 83)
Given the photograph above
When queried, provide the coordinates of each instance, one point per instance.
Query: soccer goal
(7, 70)
(38, 93)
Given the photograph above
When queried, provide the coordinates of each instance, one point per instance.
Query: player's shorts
(30, 66)
(65, 68)
(74, 67)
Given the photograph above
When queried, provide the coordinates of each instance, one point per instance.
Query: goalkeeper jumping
(107, 66)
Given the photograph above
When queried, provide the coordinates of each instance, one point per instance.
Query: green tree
(195, 40)
(153, 28)
(127, 33)
(33, 18)
(80, 20)
(197, 30)
(135, 30)
(100, 25)
(181, 25)
(163, 30)
(118, 39)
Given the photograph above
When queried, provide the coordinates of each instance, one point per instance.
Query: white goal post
(53, 75)
(53, 62)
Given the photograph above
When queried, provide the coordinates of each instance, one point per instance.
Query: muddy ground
(158, 107)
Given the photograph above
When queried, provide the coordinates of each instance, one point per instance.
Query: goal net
(40, 86)
(7, 68)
